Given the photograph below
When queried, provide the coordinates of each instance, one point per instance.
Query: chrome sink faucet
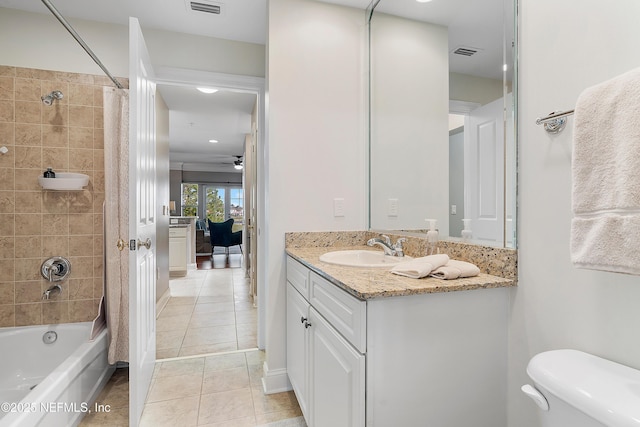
(389, 249)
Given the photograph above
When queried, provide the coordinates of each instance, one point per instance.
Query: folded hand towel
(455, 269)
(420, 267)
(605, 229)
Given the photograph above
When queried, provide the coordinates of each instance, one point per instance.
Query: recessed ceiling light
(423, 1)
(213, 141)
(207, 90)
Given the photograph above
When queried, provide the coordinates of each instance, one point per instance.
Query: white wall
(555, 305)
(316, 149)
(47, 45)
(409, 123)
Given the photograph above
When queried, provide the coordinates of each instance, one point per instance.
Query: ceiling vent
(204, 6)
(465, 51)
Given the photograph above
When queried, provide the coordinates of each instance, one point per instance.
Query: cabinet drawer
(298, 276)
(178, 232)
(347, 314)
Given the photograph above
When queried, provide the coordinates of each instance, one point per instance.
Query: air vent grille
(465, 51)
(205, 7)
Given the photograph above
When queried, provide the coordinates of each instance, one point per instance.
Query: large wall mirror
(442, 118)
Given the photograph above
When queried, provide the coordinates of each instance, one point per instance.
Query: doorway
(220, 302)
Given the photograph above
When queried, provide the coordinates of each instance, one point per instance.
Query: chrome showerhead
(48, 99)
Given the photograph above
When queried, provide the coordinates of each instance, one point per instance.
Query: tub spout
(55, 289)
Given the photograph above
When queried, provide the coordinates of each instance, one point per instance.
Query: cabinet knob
(303, 319)
(307, 324)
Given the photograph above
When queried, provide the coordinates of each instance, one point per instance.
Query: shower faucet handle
(56, 269)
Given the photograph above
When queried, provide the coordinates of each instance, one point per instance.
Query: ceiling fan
(237, 164)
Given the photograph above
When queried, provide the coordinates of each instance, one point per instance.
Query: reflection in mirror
(442, 134)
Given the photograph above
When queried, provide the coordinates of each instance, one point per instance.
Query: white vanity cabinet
(432, 359)
(326, 370)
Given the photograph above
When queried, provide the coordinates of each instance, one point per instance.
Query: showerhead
(48, 99)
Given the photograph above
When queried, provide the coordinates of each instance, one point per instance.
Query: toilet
(577, 389)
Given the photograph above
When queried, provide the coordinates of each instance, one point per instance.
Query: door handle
(146, 243)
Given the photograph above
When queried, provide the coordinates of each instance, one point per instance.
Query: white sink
(362, 258)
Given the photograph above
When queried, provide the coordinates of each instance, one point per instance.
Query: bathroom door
(142, 222)
(484, 171)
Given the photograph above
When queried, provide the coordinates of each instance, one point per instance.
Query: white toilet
(577, 389)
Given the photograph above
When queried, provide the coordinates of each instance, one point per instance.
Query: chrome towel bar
(554, 122)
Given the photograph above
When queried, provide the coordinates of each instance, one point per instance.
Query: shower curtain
(116, 158)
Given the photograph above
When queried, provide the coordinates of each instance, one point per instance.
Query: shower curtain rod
(81, 42)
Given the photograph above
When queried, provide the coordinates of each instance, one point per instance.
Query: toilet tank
(583, 390)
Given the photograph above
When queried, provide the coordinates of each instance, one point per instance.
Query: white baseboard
(275, 380)
(164, 299)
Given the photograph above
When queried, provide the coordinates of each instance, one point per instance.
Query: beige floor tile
(167, 353)
(264, 403)
(169, 339)
(255, 357)
(118, 417)
(225, 380)
(248, 342)
(171, 413)
(180, 367)
(225, 406)
(206, 349)
(247, 316)
(167, 388)
(177, 310)
(181, 300)
(172, 323)
(244, 305)
(206, 299)
(255, 375)
(209, 335)
(201, 320)
(213, 307)
(240, 422)
(116, 391)
(271, 417)
(224, 361)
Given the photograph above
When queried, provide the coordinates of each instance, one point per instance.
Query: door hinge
(132, 245)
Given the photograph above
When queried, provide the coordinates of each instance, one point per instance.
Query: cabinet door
(297, 344)
(337, 379)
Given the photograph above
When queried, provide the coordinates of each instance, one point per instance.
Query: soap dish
(64, 181)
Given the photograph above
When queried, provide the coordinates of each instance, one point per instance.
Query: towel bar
(554, 122)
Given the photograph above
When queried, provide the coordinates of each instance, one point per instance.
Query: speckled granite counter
(369, 283)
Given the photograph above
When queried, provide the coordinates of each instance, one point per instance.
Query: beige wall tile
(28, 225)
(7, 133)
(28, 157)
(7, 111)
(27, 179)
(55, 246)
(82, 223)
(8, 268)
(7, 181)
(7, 71)
(55, 136)
(28, 112)
(80, 289)
(56, 159)
(80, 201)
(81, 267)
(55, 312)
(80, 94)
(80, 137)
(7, 293)
(28, 246)
(27, 269)
(98, 115)
(28, 134)
(7, 248)
(81, 116)
(80, 245)
(28, 90)
(28, 314)
(7, 86)
(33, 73)
(28, 202)
(55, 225)
(80, 159)
(7, 224)
(28, 292)
(98, 140)
(82, 310)
(55, 202)
(56, 114)
(7, 316)
(7, 202)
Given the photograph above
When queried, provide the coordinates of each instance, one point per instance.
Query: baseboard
(275, 380)
(164, 299)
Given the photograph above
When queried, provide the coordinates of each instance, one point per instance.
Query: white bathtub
(69, 374)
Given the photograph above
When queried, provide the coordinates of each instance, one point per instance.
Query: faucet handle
(387, 239)
(399, 242)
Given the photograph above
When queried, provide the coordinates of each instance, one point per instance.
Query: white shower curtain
(116, 158)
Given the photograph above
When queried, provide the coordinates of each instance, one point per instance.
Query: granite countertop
(369, 283)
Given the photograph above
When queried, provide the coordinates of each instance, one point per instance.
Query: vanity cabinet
(432, 359)
(326, 370)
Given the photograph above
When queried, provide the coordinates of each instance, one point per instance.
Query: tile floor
(210, 311)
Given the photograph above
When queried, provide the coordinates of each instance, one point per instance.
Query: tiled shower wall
(37, 224)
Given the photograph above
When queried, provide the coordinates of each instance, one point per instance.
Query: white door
(142, 223)
(337, 379)
(484, 171)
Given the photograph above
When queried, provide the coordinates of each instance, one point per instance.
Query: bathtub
(50, 384)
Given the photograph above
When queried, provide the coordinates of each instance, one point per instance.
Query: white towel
(420, 267)
(605, 229)
(455, 269)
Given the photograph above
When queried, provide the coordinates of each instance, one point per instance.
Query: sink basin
(362, 258)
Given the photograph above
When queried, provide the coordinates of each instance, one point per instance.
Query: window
(236, 209)
(189, 200)
(217, 203)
